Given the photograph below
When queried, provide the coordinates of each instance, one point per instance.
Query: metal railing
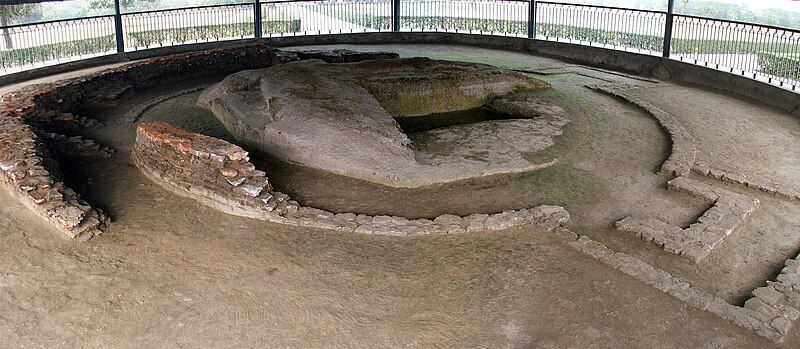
(493, 17)
(763, 52)
(617, 28)
(147, 29)
(28, 46)
(758, 51)
(323, 17)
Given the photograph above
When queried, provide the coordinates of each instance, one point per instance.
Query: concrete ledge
(631, 62)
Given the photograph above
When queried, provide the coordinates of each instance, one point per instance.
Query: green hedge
(640, 41)
(649, 42)
(208, 32)
(466, 24)
(43, 53)
(107, 43)
(725, 47)
(780, 64)
(509, 27)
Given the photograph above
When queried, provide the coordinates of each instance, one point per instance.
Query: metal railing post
(257, 26)
(118, 27)
(532, 19)
(396, 15)
(668, 27)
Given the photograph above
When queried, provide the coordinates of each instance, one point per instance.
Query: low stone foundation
(683, 157)
(217, 174)
(730, 210)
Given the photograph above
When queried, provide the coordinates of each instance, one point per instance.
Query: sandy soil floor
(171, 273)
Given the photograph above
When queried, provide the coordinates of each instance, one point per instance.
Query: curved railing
(767, 53)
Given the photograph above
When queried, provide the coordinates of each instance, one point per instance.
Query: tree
(108, 5)
(8, 13)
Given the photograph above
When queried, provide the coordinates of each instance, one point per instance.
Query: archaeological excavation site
(349, 177)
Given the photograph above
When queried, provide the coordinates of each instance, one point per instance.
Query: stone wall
(218, 174)
(38, 124)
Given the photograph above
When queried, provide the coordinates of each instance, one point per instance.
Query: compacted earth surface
(169, 272)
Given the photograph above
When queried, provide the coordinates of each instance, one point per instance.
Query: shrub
(206, 33)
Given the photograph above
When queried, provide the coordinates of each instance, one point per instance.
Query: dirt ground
(172, 273)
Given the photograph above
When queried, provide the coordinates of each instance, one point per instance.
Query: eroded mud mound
(341, 117)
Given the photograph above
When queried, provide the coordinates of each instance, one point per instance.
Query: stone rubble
(218, 174)
(684, 148)
(730, 210)
(75, 145)
(770, 312)
(39, 121)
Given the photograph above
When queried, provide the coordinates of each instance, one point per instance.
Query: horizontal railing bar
(600, 6)
(55, 21)
(766, 26)
(288, 1)
(241, 4)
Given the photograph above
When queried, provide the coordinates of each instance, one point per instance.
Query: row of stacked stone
(778, 303)
(444, 224)
(211, 170)
(25, 168)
